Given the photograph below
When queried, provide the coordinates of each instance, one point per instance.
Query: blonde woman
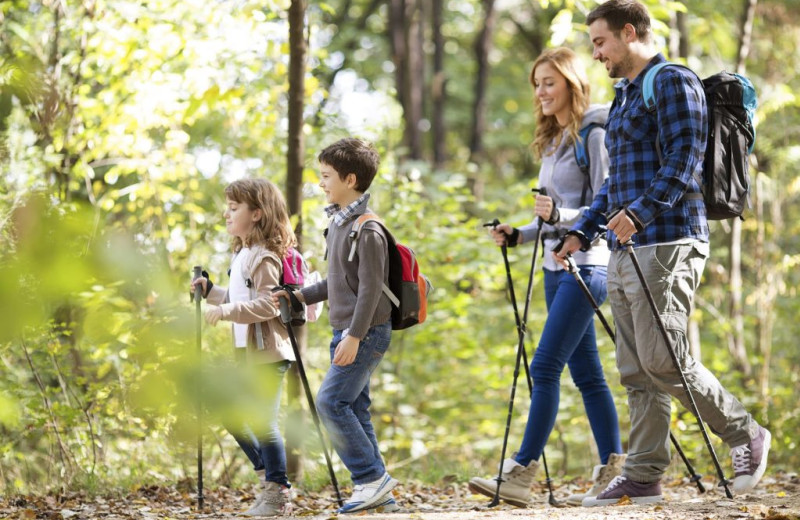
(561, 101)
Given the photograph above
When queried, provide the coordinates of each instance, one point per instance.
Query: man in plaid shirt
(651, 196)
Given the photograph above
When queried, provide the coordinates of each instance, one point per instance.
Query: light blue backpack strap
(648, 93)
(581, 153)
(750, 104)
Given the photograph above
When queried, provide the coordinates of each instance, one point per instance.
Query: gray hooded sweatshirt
(564, 181)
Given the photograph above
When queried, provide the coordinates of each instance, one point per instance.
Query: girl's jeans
(343, 405)
(260, 439)
(569, 339)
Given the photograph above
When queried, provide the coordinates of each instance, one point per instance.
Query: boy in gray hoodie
(360, 315)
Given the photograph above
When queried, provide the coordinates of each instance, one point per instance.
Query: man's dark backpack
(731, 100)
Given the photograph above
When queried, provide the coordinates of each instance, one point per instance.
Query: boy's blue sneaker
(365, 496)
(387, 506)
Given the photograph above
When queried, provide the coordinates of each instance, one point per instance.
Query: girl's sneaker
(274, 501)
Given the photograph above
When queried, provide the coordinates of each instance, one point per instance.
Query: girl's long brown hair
(548, 132)
(273, 230)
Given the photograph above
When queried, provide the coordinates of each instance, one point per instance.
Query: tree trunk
(397, 39)
(737, 307)
(415, 78)
(483, 45)
(298, 49)
(438, 85)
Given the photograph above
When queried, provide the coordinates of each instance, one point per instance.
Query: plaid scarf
(340, 215)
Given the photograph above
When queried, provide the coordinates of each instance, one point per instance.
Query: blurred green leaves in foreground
(99, 353)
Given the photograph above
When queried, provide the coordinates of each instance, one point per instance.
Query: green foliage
(114, 156)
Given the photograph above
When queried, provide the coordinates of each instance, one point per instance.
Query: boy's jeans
(265, 449)
(343, 405)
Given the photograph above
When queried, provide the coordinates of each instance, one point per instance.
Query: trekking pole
(521, 353)
(723, 481)
(197, 296)
(573, 269)
(286, 318)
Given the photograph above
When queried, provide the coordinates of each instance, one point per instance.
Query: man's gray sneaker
(638, 492)
(750, 461)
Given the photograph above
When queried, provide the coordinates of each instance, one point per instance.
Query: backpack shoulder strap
(582, 156)
(648, 92)
(355, 232)
(358, 225)
(581, 152)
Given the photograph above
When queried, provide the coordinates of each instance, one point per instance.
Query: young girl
(562, 109)
(257, 219)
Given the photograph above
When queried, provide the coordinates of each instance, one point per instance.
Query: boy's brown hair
(355, 156)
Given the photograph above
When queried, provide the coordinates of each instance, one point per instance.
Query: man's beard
(621, 69)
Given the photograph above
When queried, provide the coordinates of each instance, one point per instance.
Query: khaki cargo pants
(646, 369)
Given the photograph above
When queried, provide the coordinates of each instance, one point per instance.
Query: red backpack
(407, 288)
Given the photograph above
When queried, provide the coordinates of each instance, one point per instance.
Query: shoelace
(619, 479)
(741, 458)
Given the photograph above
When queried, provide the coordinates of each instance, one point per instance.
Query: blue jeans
(569, 339)
(343, 405)
(260, 439)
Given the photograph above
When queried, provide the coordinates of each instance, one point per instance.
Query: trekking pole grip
(198, 289)
(286, 315)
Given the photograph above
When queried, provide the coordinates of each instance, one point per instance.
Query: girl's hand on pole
(213, 314)
(276, 295)
(346, 351)
(202, 282)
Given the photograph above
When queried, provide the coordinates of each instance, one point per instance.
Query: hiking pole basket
(286, 319)
(693, 405)
(197, 296)
(573, 269)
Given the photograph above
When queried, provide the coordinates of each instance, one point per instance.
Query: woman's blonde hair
(548, 131)
(273, 230)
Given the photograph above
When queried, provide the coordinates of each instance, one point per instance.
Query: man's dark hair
(617, 13)
(352, 155)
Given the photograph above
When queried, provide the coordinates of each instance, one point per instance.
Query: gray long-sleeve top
(354, 288)
(564, 181)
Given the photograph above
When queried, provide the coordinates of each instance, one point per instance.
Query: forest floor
(776, 498)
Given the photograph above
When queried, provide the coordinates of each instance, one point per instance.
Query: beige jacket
(263, 267)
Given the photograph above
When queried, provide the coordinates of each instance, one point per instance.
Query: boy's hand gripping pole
(197, 297)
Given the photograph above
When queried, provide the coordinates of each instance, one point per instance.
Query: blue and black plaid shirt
(652, 190)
